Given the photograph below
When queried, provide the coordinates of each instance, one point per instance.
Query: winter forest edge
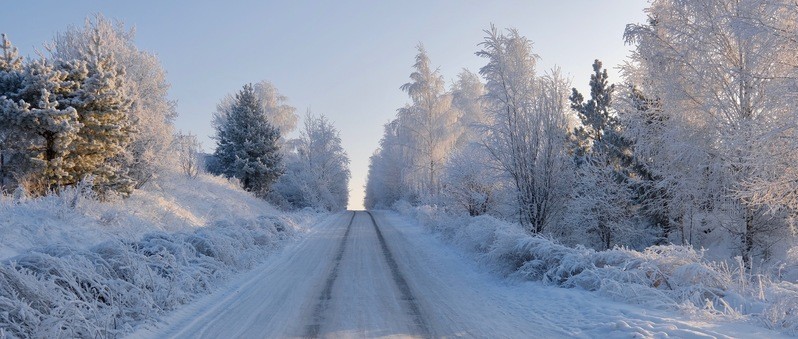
(676, 180)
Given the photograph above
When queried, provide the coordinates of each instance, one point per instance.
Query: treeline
(93, 111)
(695, 145)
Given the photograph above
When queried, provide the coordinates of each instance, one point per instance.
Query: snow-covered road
(376, 275)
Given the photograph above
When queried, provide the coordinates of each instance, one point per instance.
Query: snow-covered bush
(667, 277)
(75, 267)
(470, 183)
(60, 291)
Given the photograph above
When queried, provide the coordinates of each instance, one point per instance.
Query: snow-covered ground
(669, 278)
(75, 267)
(351, 278)
(173, 203)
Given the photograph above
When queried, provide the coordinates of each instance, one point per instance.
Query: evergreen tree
(10, 82)
(603, 201)
(144, 83)
(48, 129)
(600, 130)
(248, 145)
(594, 114)
(10, 67)
(37, 131)
(103, 108)
(275, 105)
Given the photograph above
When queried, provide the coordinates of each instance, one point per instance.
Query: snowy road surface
(363, 275)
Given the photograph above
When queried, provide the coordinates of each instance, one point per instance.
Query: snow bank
(664, 277)
(99, 269)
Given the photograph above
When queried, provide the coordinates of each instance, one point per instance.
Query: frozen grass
(75, 267)
(664, 277)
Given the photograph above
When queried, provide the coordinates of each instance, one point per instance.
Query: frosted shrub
(60, 291)
(665, 277)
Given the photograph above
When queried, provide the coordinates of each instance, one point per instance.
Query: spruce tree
(248, 145)
(37, 131)
(47, 128)
(10, 82)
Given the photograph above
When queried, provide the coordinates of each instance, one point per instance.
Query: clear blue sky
(344, 59)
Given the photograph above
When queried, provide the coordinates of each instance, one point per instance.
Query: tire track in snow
(312, 330)
(401, 283)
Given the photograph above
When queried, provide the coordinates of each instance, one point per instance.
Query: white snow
(100, 269)
(669, 278)
(452, 294)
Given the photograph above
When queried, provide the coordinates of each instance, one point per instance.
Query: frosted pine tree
(275, 106)
(144, 83)
(248, 145)
(51, 127)
(599, 130)
(10, 82)
(10, 67)
(103, 107)
(603, 202)
(37, 131)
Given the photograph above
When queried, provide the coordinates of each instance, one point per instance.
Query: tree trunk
(748, 237)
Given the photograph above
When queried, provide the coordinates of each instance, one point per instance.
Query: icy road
(361, 274)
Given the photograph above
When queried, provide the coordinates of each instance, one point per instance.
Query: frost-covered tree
(467, 92)
(470, 182)
(187, 147)
(277, 111)
(247, 145)
(11, 69)
(415, 146)
(38, 133)
(430, 124)
(11, 64)
(144, 83)
(528, 126)
(725, 73)
(103, 108)
(317, 173)
(604, 201)
(67, 121)
(599, 129)
(388, 175)
(602, 212)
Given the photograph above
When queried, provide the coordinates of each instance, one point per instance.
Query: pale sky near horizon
(343, 59)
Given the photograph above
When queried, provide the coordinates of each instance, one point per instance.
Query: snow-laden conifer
(103, 107)
(247, 144)
(145, 83)
(274, 105)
